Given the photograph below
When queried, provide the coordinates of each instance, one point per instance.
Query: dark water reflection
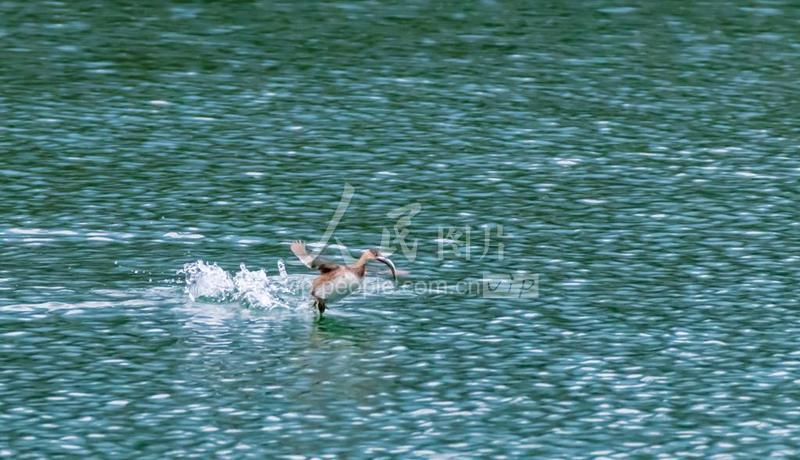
(642, 159)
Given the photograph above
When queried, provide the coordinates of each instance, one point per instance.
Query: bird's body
(336, 281)
(334, 285)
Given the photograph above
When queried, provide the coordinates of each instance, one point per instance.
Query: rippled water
(641, 159)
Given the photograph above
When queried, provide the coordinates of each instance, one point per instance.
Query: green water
(641, 158)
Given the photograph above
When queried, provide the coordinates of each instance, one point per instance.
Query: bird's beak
(390, 264)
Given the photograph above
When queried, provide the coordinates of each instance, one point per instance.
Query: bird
(335, 280)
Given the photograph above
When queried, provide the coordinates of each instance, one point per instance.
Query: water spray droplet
(282, 268)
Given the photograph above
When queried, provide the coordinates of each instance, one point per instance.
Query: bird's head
(374, 254)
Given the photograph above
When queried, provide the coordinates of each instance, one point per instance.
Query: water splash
(253, 288)
(208, 281)
(282, 269)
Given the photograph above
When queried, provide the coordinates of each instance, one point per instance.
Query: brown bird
(336, 281)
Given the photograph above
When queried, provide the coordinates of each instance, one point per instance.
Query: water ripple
(641, 159)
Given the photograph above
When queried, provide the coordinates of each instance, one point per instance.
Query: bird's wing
(323, 265)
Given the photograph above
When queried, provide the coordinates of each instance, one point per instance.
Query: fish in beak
(390, 264)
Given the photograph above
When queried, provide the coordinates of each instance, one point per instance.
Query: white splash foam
(282, 269)
(203, 280)
(250, 288)
(253, 288)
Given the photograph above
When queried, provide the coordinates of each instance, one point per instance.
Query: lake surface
(640, 159)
